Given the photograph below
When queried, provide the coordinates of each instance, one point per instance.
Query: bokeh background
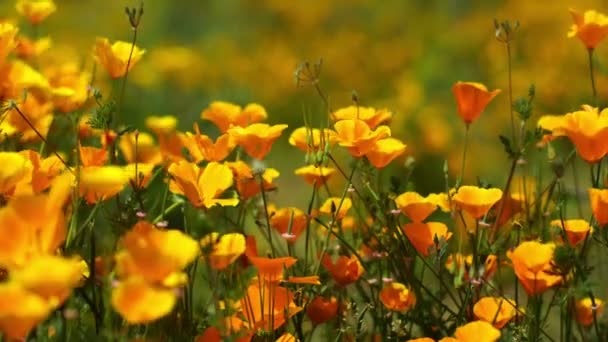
(402, 55)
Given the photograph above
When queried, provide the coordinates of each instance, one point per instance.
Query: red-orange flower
(590, 27)
(585, 309)
(397, 297)
(289, 222)
(472, 99)
(321, 310)
(576, 230)
(599, 205)
(345, 271)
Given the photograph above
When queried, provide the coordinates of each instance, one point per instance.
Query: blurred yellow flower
(585, 309)
(54, 286)
(27, 49)
(140, 148)
(226, 115)
(69, 86)
(161, 125)
(115, 58)
(8, 34)
(477, 331)
(154, 254)
(15, 168)
(201, 147)
(35, 10)
(422, 235)
(414, 206)
(495, 310)
(336, 206)
(99, 183)
(590, 27)
(202, 187)
(20, 310)
(139, 302)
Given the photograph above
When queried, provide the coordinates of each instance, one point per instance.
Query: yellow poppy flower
(223, 250)
(477, 331)
(315, 175)
(70, 86)
(162, 125)
(423, 235)
(147, 150)
(43, 172)
(16, 168)
(358, 137)
(333, 204)
(371, 116)
(202, 187)
(312, 139)
(35, 10)
(476, 201)
(532, 263)
(201, 147)
(139, 302)
(256, 139)
(225, 115)
(414, 206)
(494, 310)
(385, 151)
(114, 57)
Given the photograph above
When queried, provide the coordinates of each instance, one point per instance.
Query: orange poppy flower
(397, 297)
(495, 310)
(139, 302)
(28, 49)
(114, 57)
(99, 183)
(336, 206)
(472, 99)
(346, 270)
(599, 205)
(38, 112)
(588, 131)
(17, 320)
(584, 310)
(421, 339)
(201, 147)
(385, 151)
(35, 11)
(476, 201)
(92, 156)
(17, 168)
(154, 254)
(576, 230)
(532, 263)
(414, 206)
(289, 222)
(8, 42)
(312, 139)
(269, 307)
(477, 331)
(358, 137)
(256, 139)
(271, 269)
(44, 171)
(511, 207)
(422, 235)
(221, 251)
(309, 280)
(372, 116)
(69, 86)
(226, 115)
(248, 187)
(315, 175)
(590, 27)
(202, 187)
(321, 310)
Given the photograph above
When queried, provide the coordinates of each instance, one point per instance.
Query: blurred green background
(403, 55)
